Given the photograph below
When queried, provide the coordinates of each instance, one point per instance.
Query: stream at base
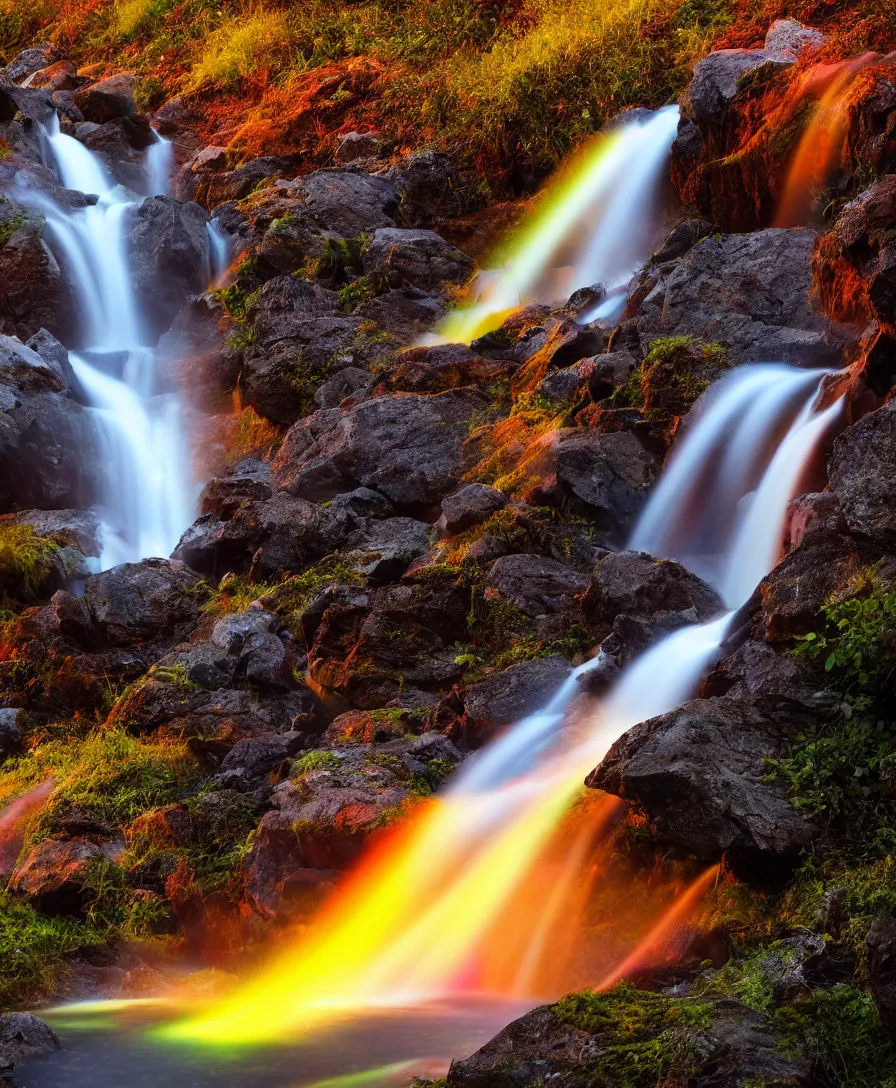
(380, 1049)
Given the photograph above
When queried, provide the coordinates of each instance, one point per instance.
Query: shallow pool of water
(112, 1048)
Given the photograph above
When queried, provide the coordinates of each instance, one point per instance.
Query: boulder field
(403, 547)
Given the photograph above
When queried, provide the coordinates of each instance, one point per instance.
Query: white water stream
(720, 509)
(147, 493)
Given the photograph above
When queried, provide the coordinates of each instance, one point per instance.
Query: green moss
(292, 596)
(316, 761)
(675, 373)
(645, 1038)
(26, 561)
(355, 293)
(842, 770)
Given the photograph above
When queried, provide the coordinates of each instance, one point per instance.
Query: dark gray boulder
(168, 245)
(606, 476)
(33, 290)
(48, 451)
(506, 697)
(534, 584)
(30, 61)
(701, 775)
(108, 99)
(749, 292)
(415, 258)
(862, 474)
(24, 1036)
(717, 79)
(13, 722)
(138, 602)
(470, 506)
(407, 447)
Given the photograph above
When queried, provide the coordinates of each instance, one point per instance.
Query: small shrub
(240, 46)
(316, 761)
(26, 561)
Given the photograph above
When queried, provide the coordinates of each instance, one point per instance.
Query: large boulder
(700, 773)
(501, 700)
(48, 451)
(33, 290)
(581, 1043)
(862, 474)
(752, 293)
(605, 476)
(30, 61)
(855, 262)
(23, 1036)
(416, 258)
(406, 446)
(57, 876)
(533, 584)
(717, 79)
(108, 99)
(138, 602)
(168, 246)
(267, 538)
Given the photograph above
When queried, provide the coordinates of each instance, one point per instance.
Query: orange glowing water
(816, 157)
(13, 822)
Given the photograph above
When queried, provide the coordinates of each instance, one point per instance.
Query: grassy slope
(513, 84)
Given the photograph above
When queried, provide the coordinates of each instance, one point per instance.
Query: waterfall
(596, 223)
(146, 496)
(413, 921)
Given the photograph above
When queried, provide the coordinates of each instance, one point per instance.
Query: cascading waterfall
(416, 918)
(595, 224)
(146, 497)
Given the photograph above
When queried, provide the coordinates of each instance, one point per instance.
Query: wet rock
(250, 481)
(717, 79)
(736, 1049)
(440, 368)
(140, 601)
(48, 454)
(658, 590)
(383, 549)
(700, 773)
(30, 61)
(416, 258)
(13, 723)
(855, 263)
(285, 303)
(751, 293)
(405, 313)
(881, 942)
(606, 476)
(501, 700)
(756, 668)
(862, 474)
(266, 538)
(371, 645)
(322, 820)
(80, 527)
(430, 186)
(470, 506)
(23, 1036)
(683, 238)
(56, 876)
(122, 145)
(168, 244)
(406, 447)
(108, 99)
(33, 291)
(533, 584)
(814, 519)
(253, 757)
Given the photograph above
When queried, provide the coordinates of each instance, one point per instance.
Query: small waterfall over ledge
(417, 921)
(146, 497)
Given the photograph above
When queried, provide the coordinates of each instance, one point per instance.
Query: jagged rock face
(33, 290)
(737, 1048)
(408, 447)
(855, 263)
(397, 258)
(169, 257)
(48, 454)
(700, 774)
(751, 293)
(507, 697)
(862, 472)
